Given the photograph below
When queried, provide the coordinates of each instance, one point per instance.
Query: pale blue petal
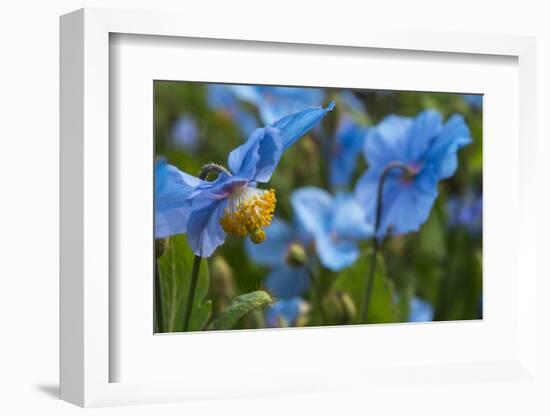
(336, 253)
(204, 231)
(420, 311)
(349, 219)
(406, 206)
(442, 154)
(427, 125)
(172, 188)
(387, 142)
(312, 209)
(286, 310)
(272, 252)
(286, 281)
(349, 140)
(296, 125)
(185, 134)
(258, 156)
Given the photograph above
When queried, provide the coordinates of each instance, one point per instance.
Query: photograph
(293, 207)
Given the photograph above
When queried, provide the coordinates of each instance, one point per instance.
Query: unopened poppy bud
(339, 308)
(160, 247)
(296, 255)
(222, 282)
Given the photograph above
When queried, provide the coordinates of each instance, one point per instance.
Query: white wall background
(29, 116)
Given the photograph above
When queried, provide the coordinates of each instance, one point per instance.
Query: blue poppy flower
(475, 100)
(420, 311)
(348, 142)
(274, 102)
(232, 203)
(221, 98)
(466, 212)
(285, 312)
(284, 280)
(185, 134)
(335, 224)
(428, 148)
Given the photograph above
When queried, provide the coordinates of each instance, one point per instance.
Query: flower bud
(296, 255)
(222, 282)
(160, 247)
(339, 308)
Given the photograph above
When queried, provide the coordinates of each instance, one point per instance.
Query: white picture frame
(87, 356)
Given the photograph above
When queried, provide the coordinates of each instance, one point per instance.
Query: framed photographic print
(311, 204)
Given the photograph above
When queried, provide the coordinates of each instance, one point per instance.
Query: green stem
(191, 295)
(377, 239)
(158, 300)
(315, 283)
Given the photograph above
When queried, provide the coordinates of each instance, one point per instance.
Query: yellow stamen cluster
(248, 211)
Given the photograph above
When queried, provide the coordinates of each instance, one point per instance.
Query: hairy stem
(191, 295)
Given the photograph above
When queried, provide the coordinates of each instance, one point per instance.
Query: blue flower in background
(348, 142)
(420, 311)
(275, 102)
(475, 100)
(285, 312)
(335, 224)
(185, 134)
(429, 150)
(232, 203)
(352, 102)
(466, 212)
(221, 98)
(284, 280)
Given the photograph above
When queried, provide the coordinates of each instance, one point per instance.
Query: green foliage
(353, 281)
(174, 268)
(239, 307)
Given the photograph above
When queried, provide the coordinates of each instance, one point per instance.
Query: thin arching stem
(378, 239)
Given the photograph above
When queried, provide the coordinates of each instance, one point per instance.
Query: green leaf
(175, 267)
(239, 307)
(353, 281)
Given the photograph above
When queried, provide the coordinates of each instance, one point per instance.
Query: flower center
(248, 211)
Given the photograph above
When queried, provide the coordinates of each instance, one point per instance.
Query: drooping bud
(296, 255)
(339, 308)
(222, 282)
(160, 247)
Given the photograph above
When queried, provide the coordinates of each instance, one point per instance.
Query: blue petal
(405, 205)
(185, 134)
(349, 140)
(336, 253)
(312, 209)
(287, 310)
(272, 252)
(276, 102)
(349, 219)
(351, 101)
(427, 125)
(204, 231)
(296, 125)
(387, 142)
(475, 100)
(258, 156)
(222, 98)
(172, 188)
(420, 311)
(286, 282)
